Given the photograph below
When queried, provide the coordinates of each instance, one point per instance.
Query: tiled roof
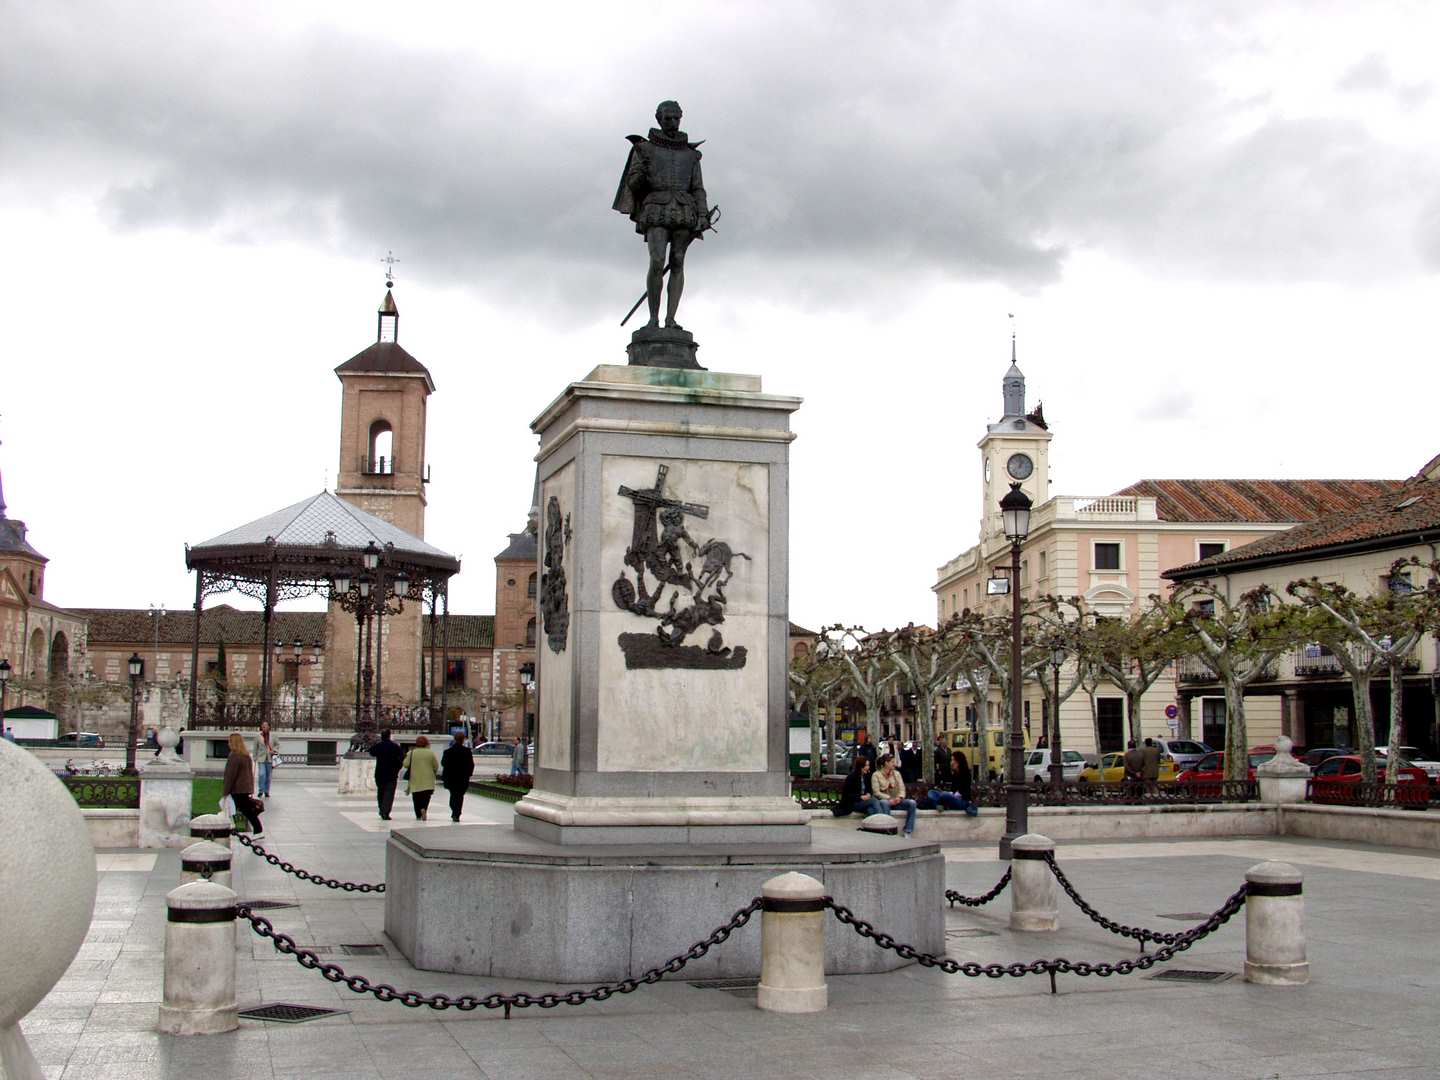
(796, 630)
(220, 623)
(467, 632)
(1411, 508)
(1255, 500)
(308, 523)
(13, 542)
(522, 546)
(386, 358)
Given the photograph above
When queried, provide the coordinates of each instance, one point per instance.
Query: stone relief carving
(662, 547)
(554, 603)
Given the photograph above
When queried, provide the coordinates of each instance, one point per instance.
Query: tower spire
(1013, 385)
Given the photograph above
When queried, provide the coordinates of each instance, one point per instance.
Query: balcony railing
(377, 466)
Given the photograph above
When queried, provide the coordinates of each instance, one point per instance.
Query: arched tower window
(381, 461)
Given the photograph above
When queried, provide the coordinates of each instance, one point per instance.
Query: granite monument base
(635, 819)
(477, 900)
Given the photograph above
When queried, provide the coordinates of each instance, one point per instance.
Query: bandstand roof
(310, 523)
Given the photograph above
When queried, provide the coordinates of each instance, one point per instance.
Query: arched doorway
(36, 655)
(57, 697)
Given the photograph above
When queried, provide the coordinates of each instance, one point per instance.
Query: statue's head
(667, 115)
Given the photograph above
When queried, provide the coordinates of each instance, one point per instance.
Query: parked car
(1321, 753)
(1345, 768)
(1413, 756)
(1261, 754)
(1211, 768)
(495, 749)
(1184, 752)
(1112, 771)
(1037, 765)
(82, 738)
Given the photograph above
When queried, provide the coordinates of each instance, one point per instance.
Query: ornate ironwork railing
(825, 793)
(242, 716)
(1408, 795)
(104, 792)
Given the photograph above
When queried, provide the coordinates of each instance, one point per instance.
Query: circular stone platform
(478, 900)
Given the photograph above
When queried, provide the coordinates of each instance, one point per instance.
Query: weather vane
(389, 260)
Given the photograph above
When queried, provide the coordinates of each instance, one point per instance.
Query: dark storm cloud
(852, 153)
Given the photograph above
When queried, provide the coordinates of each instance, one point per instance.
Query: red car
(1211, 768)
(1345, 769)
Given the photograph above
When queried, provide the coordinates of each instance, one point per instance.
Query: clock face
(1019, 466)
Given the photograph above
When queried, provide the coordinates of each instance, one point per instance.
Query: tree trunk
(927, 735)
(1095, 734)
(830, 734)
(814, 741)
(1132, 706)
(1397, 720)
(1364, 726)
(1237, 744)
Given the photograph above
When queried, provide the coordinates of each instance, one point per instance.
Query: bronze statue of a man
(662, 192)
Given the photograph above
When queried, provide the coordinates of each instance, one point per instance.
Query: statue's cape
(624, 198)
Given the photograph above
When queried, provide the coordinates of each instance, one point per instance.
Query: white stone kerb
(793, 886)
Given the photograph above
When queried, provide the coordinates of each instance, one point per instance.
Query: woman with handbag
(264, 760)
(239, 784)
(421, 766)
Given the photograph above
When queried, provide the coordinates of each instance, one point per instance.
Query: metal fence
(1405, 796)
(104, 792)
(825, 793)
(233, 716)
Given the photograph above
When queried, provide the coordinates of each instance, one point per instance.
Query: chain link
(984, 898)
(305, 875)
(1138, 933)
(307, 958)
(1051, 967)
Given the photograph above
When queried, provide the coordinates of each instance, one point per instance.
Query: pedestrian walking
(910, 763)
(1150, 771)
(865, 748)
(889, 787)
(264, 760)
(420, 766)
(457, 765)
(388, 757)
(10, 734)
(239, 784)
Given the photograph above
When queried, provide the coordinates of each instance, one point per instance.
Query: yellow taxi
(1112, 770)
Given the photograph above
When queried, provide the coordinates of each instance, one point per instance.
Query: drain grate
(1191, 975)
(363, 950)
(725, 984)
(285, 1013)
(1186, 916)
(266, 905)
(969, 933)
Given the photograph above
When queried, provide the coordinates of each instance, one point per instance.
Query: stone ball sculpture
(47, 879)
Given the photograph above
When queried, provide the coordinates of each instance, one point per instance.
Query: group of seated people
(882, 789)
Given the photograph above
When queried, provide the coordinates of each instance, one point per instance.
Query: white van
(1037, 766)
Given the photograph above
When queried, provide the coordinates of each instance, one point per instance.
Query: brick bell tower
(382, 471)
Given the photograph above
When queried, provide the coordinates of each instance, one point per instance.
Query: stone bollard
(1032, 885)
(199, 961)
(1282, 779)
(1275, 926)
(205, 861)
(215, 827)
(792, 945)
(880, 823)
(47, 895)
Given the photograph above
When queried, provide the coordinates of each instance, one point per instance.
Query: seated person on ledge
(855, 797)
(957, 797)
(888, 787)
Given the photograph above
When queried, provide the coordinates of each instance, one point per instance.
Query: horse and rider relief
(678, 581)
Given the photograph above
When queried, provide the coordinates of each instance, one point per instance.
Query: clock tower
(1015, 448)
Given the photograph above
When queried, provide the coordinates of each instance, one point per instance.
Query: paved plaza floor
(1371, 1009)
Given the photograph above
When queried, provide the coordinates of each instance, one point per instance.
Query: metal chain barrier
(984, 898)
(307, 958)
(305, 875)
(1138, 933)
(1057, 966)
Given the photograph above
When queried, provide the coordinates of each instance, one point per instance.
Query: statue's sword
(710, 219)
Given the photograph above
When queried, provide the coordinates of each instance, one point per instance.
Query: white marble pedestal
(356, 775)
(165, 796)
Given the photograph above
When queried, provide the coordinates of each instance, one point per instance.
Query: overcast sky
(1217, 224)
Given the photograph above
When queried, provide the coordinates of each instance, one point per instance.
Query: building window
(1212, 721)
(1208, 549)
(455, 674)
(217, 749)
(530, 633)
(1043, 568)
(1398, 583)
(1106, 555)
(1024, 572)
(1204, 608)
(530, 587)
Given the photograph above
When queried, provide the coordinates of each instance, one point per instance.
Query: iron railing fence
(104, 792)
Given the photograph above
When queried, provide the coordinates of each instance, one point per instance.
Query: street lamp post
(527, 680)
(4, 682)
(1057, 759)
(299, 659)
(1015, 516)
(137, 670)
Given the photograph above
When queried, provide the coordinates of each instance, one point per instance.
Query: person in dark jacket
(387, 755)
(457, 765)
(864, 747)
(953, 792)
(909, 762)
(855, 796)
(239, 784)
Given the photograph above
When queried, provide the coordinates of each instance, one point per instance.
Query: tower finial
(389, 260)
(387, 326)
(1013, 385)
(1011, 317)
